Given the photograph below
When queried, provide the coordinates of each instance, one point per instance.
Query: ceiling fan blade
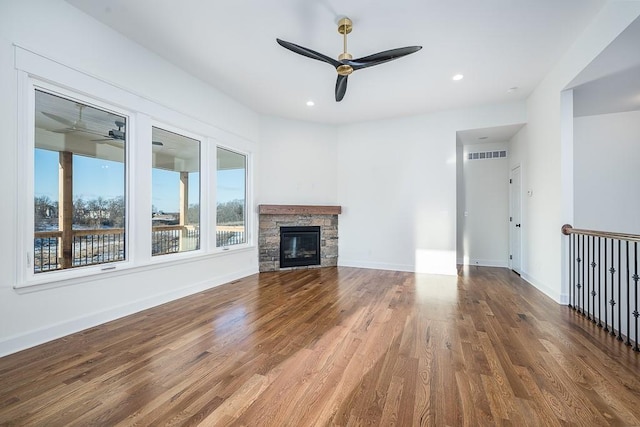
(341, 87)
(59, 119)
(110, 141)
(308, 53)
(65, 130)
(382, 57)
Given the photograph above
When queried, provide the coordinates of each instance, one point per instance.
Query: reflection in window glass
(231, 198)
(175, 193)
(79, 184)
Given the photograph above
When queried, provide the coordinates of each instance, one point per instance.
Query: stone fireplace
(297, 250)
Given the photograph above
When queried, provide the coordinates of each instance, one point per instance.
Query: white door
(515, 224)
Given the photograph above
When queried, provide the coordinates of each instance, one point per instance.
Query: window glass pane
(175, 193)
(79, 184)
(230, 193)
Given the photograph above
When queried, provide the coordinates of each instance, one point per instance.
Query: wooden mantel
(299, 210)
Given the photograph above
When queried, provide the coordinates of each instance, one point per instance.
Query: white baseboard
(485, 262)
(386, 266)
(374, 265)
(558, 297)
(36, 337)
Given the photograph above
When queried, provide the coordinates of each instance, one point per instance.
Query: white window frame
(27, 275)
(33, 71)
(248, 207)
(204, 193)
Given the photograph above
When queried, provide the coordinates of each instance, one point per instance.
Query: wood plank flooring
(334, 346)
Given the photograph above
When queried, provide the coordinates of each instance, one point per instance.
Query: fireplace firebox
(299, 246)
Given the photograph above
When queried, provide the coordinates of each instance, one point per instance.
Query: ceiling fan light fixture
(344, 69)
(345, 65)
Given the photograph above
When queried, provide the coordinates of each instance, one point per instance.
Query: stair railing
(603, 280)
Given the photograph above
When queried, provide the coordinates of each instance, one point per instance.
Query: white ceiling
(487, 135)
(496, 44)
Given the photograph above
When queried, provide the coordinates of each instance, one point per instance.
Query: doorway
(515, 220)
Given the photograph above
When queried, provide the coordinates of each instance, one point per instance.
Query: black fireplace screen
(299, 246)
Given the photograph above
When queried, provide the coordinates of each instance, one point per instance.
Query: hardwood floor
(334, 346)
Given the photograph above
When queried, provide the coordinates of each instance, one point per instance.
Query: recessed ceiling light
(484, 137)
(512, 89)
(458, 77)
(310, 103)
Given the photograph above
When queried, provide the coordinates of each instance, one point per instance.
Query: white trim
(485, 262)
(552, 293)
(20, 342)
(250, 217)
(387, 266)
(37, 71)
(26, 275)
(55, 71)
(510, 260)
(567, 184)
(205, 189)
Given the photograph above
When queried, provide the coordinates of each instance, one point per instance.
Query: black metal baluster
(628, 297)
(599, 284)
(57, 253)
(619, 290)
(41, 258)
(571, 269)
(579, 285)
(613, 300)
(581, 274)
(635, 279)
(584, 280)
(606, 324)
(587, 281)
(592, 283)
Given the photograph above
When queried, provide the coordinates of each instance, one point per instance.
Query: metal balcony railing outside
(99, 246)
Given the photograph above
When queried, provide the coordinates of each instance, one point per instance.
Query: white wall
(607, 172)
(543, 156)
(483, 209)
(397, 186)
(54, 29)
(298, 163)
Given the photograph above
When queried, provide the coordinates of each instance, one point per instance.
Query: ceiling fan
(345, 64)
(119, 136)
(114, 134)
(76, 126)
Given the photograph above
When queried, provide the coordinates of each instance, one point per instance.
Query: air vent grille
(484, 155)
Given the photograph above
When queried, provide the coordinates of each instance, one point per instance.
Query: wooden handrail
(567, 230)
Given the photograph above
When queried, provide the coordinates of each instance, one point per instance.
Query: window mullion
(140, 201)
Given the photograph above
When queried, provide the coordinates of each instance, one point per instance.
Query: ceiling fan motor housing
(345, 26)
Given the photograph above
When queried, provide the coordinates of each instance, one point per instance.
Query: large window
(175, 192)
(111, 181)
(79, 184)
(231, 198)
